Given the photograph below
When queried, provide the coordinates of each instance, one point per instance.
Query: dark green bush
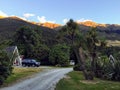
(1, 80)
(60, 55)
(5, 66)
(77, 67)
(107, 69)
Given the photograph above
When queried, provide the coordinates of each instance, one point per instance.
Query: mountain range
(9, 25)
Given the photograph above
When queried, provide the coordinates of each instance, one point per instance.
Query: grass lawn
(75, 81)
(20, 73)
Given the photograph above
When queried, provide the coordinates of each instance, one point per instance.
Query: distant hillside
(49, 25)
(2, 17)
(109, 31)
(110, 27)
(91, 24)
(9, 25)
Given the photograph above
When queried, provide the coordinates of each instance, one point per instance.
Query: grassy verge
(113, 43)
(20, 74)
(75, 81)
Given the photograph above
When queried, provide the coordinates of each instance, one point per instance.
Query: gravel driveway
(44, 80)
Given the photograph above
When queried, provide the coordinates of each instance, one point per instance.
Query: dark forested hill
(108, 31)
(8, 27)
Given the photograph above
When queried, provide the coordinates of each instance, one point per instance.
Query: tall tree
(27, 40)
(76, 40)
(92, 41)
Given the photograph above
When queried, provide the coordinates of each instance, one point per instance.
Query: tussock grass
(113, 43)
(77, 82)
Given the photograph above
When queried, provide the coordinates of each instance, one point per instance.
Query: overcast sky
(59, 11)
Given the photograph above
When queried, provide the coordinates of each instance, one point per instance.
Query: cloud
(23, 18)
(42, 19)
(3, 14)
(27, 15)
(83, 20)
(79, 20)
(65, 20)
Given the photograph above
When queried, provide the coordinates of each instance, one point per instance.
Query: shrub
(5, 66)
(59, 55)
(1, 80)
(77, 67)
(41, 53)
(116, 70)
(107, 69)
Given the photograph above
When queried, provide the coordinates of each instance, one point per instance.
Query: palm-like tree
(76, 40)
(91, 43)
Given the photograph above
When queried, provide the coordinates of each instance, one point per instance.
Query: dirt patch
(67, 77)
(89, 81)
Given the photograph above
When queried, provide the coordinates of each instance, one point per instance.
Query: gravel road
(45, 80)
